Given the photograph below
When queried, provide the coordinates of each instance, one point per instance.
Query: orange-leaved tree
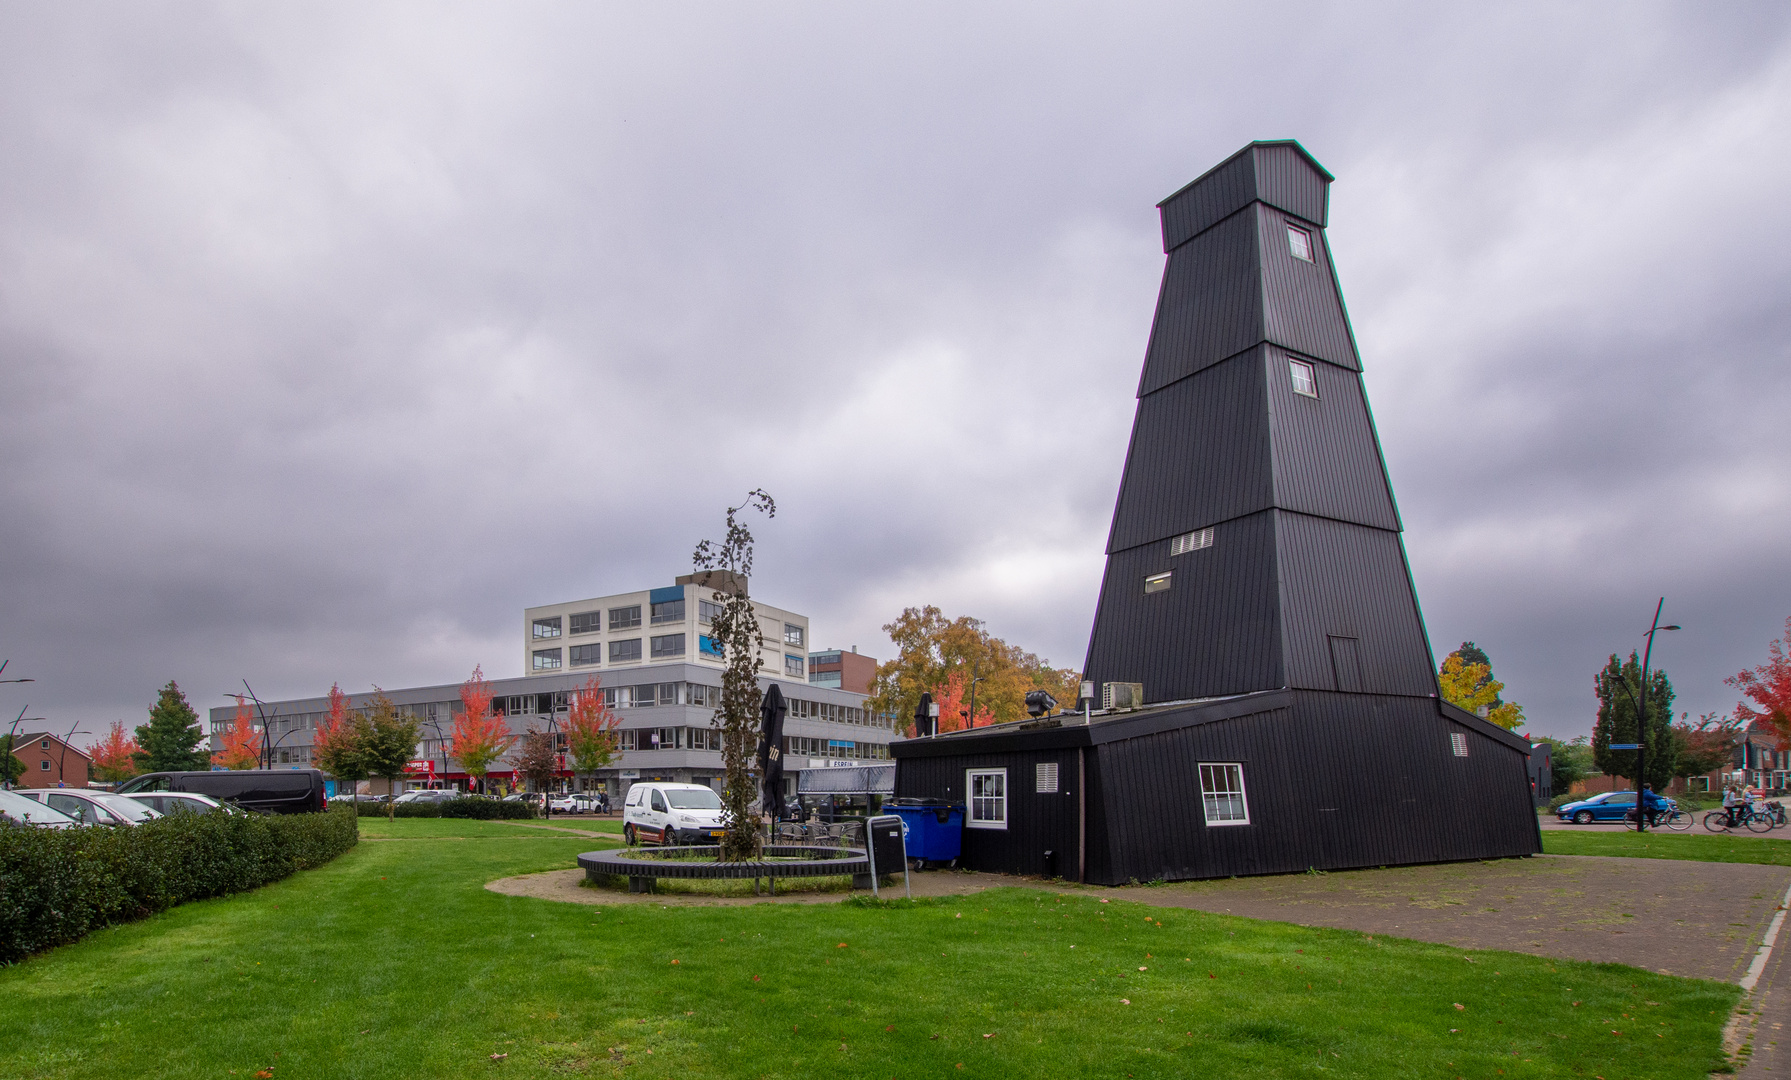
(242, 743)
(591, 726)
(479, 736)
(930, 647)
(952, 695)
(1769, 688)
(111, 756)
(338, 745)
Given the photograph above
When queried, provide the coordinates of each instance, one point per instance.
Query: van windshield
(693, 799)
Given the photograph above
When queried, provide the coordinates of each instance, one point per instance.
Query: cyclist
(1733, 801)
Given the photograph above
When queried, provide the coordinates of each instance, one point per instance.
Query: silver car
(19, 810)
(183, 802)
(93, 807)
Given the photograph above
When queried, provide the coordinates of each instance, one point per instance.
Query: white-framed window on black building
(547, 628)
(586, 622)
(793, 666)
(672, 611)
(668, 645)
(1222, 794)
(1299, 242)
(987, 789)
(624, 651)
(1157, 583)
(547, 659)
(1458, 743)
(1197, 540)
(625, 618)
(585, 655)
(1305, 380)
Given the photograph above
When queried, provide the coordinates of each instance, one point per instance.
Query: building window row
(808, 746)
(547, 628)
(671, 611)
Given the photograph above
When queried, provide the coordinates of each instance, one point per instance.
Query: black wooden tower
(1255, 544)
(1256, 593)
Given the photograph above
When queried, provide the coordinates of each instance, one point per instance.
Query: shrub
(487, 809)
(57, 885)
(409, 809)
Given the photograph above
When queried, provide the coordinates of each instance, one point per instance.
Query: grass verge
(394, 961)
(457, 828)
(1697, 847)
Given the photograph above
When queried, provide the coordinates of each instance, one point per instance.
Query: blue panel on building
(667, 594)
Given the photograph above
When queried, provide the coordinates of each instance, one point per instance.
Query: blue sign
(1626, 746)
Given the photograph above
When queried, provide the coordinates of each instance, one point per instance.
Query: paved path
(1697, 829)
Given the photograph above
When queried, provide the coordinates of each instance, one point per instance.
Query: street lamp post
(62, 758)
(970, 720)
(1642, 722)
(267, 733)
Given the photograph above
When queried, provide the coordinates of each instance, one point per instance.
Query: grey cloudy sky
(332, 336)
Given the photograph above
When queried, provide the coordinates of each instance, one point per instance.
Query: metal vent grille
(1194, 541)
(1047, 778)
(1459, 743)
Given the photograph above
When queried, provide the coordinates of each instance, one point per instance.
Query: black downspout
(1081, 815)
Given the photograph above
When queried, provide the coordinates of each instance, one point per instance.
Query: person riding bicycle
(1733, 801)
(1654, 806)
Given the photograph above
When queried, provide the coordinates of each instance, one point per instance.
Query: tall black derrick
(1255, 543)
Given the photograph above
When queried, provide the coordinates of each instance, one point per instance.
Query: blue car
(1611, 806)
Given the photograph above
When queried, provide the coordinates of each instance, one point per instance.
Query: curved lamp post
(1642, 722)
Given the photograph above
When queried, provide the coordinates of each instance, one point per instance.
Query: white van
(661, 813)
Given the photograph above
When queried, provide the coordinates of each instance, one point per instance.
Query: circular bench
(643, 866)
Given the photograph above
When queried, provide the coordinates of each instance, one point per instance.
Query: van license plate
(716, 832)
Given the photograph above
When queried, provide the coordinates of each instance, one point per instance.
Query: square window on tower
(1305, 380)
(1299, 241)
(1156, 583)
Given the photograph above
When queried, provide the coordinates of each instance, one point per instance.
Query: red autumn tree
(479, 736)
(242, 743)
(1768, 687)
(111, 755)
(338, 745)
(952, 695)
(591, 726)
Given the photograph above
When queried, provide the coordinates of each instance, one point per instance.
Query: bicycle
(1754, 820)
(1674, 818)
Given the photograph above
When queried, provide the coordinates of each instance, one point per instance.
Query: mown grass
(1698, 847)
(461, 828)
(394, 961)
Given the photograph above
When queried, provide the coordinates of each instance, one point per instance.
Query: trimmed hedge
(57, 885)
(472, 807)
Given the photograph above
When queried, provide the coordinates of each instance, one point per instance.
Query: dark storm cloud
(332, 337)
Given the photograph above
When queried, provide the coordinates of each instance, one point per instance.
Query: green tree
(1571, 761)
(170, 741)
(725, 568)
(11, 768)
(388, 739)
(1706, 746)
(1619, 690)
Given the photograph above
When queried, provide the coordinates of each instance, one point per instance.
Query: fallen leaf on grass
(499, 1057)
(1125, 1001)
(755, 978)
(674, 961)
(990, 1035)
(1460, 1007)
(841, 945)
(265, 1074)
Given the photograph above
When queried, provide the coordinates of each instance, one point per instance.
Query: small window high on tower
(1305, 380)
(1299, 241)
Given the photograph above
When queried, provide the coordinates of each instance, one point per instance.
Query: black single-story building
(1267, 695)
(1302, 783)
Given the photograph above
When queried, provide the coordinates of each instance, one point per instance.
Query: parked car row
(62, 808)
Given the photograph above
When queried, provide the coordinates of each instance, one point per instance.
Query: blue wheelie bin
(934, 829)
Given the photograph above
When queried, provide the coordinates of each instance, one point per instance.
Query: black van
(270, 791)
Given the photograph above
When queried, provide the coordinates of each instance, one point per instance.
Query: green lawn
(393, 961)
(444, 828)
(1700, 847)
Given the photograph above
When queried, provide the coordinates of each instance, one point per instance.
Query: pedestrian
(1731, 799)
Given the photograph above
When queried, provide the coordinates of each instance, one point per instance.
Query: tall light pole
(1642, 722)
(267, 751)
(62, 758)
(12, 733)
(970, 720)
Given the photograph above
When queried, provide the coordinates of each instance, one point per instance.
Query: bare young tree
(724, 567)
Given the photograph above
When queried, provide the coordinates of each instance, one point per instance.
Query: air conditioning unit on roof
(1122, 695)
